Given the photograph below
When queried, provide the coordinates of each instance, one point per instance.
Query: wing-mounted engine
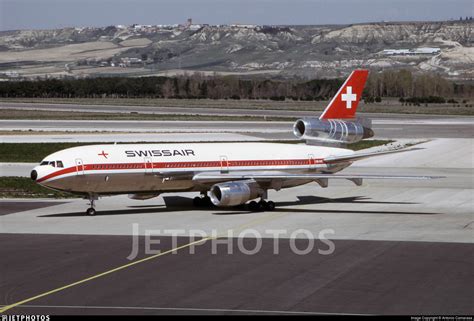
(234, 193)
(338, 131)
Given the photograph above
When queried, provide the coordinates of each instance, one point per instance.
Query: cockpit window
(52, 163)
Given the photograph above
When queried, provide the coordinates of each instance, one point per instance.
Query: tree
(167, 89)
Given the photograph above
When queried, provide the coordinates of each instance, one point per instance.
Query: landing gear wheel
(202, 201)
(90, 211)
(207, 201)
(197, 201)
(254, 206)
(270, 206)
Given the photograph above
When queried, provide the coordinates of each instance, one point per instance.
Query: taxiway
(399, 248)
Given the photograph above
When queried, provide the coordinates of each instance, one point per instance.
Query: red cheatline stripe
(171, 165)
(60, 172)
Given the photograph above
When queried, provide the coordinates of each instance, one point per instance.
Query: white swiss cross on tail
(349, 97)
(344, 103)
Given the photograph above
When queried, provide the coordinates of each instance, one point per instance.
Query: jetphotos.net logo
(25, 317)
(247, 242)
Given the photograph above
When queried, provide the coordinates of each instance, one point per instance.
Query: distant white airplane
(225, 174)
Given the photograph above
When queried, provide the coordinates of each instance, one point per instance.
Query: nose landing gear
(91, 210)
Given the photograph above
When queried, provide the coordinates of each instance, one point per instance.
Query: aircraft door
(79, 167)
(224, 164)
(148, 165)
(311, 162)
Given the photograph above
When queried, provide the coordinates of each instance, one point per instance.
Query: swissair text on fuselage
(159, 152)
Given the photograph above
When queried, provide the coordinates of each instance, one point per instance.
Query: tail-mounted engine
(333, 130)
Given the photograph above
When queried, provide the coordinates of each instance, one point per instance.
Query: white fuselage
(158, 168)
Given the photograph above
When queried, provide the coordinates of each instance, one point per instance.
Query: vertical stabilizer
(344, 104)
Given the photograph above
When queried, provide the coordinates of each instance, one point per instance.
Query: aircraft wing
(210, 177)
(358, 156)
(261, 176)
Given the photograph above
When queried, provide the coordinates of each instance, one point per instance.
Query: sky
(50, 14)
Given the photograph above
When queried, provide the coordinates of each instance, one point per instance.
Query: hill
(280, 51)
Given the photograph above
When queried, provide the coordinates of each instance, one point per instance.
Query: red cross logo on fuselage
(103, 154)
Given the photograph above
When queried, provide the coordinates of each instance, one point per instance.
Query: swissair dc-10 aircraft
(225, 174)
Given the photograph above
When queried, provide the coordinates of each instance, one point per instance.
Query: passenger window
(59, 164)
(44, 163)
(52, 164)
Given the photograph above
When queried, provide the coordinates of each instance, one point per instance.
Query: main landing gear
(202, 201)
(261, 206)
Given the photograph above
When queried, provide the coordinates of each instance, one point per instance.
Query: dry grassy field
(73, 52)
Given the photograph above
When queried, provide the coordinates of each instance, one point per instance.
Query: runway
(96, 130)
(399, 248)
(197, 110)
(138, 137)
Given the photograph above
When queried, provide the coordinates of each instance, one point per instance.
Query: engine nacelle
(234, 193)
(332, 130)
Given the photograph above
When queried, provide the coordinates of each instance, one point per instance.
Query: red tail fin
(344, 103)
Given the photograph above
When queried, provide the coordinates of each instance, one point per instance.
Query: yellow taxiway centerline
(241, 227)
(8, 307)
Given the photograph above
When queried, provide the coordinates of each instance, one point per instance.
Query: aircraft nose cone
(34, 175)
